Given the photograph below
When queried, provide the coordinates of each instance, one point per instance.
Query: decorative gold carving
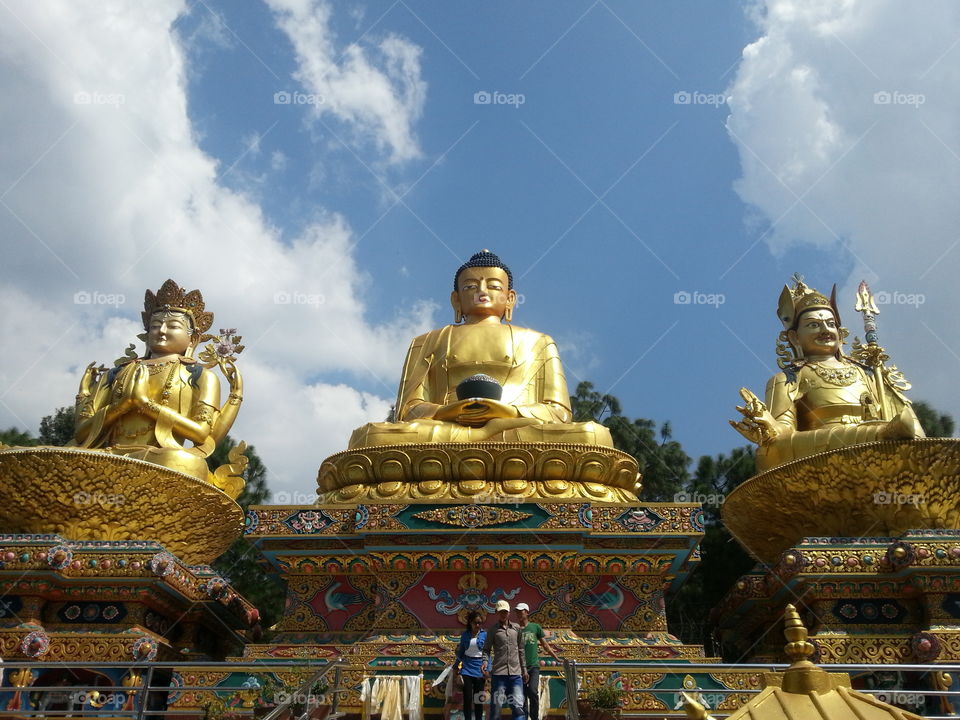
(875, 489)
(87, 495)
(472, 516)
(478, 472)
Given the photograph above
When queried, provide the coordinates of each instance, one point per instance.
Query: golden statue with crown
(839, 444)
(483, 410)
(823, 399)
(137, 467)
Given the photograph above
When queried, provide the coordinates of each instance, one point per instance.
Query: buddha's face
(482, 294)
(170, 333)
(817, 333)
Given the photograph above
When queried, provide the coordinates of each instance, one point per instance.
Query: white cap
(523, 606)
(503, 605)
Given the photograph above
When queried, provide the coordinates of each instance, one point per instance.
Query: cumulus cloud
(104, 192)
(845, 118)
(377, 90)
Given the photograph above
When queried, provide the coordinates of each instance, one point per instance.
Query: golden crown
(801, 298)
(171, 296)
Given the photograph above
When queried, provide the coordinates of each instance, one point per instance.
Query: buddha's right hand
(90, 376)
(758, 425)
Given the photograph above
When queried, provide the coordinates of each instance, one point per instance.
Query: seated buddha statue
(823, 399)
(151, 407)
(534, 404)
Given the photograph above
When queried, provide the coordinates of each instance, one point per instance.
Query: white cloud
(845, 116)
(107, 192)
(380, 103)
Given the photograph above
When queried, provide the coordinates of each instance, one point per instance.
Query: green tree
(57, 429)
(934, 423)
(663, 463)
(242, 564)
(723, 560)
(15, 436)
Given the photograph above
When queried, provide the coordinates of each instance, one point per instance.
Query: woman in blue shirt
(470, 657)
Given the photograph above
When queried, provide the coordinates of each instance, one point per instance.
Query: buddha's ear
(511, 304)
(457, 309)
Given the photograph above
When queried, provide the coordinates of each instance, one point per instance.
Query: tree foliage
(16, 437)
(723, 560)
(242, 564)
(57, 429)
(663, 463)
(934, 423)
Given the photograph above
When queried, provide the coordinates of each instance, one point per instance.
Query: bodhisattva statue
(823, 399)
(534, 405)
(151, 407)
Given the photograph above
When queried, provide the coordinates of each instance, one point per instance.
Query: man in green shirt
(531, 638)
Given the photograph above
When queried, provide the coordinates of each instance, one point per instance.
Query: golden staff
(872, 353)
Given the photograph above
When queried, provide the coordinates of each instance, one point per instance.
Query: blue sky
(636, 155)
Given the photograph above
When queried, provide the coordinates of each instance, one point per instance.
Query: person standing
(531, 638)
(507, 666)
(470, 658)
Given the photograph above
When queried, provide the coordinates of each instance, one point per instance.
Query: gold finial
(797, 647)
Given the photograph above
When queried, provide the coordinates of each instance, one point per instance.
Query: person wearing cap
(507, 668)
(531, 637)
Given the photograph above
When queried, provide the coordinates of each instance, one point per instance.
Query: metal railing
(154, 690)
(144, 690)
(571, 670)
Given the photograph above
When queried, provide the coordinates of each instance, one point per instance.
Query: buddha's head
(170, 332)
(175, 320)
(483, 290)
(811, 321)
(816, 333)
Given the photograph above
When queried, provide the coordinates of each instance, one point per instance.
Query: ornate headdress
(802, 298)
(484, 258)
(172, 297)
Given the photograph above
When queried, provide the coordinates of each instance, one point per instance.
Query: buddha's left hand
(475, 412)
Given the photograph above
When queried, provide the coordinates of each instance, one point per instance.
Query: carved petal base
(89, 495)
(874, 489)
(480, 472)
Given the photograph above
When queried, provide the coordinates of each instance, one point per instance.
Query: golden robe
(526, 364)
(193, 393)
(826, 410)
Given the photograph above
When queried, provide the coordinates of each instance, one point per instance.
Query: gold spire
(797, 648)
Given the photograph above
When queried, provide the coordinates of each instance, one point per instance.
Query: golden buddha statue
(534, 404)
(149, 407)
(823, 399)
